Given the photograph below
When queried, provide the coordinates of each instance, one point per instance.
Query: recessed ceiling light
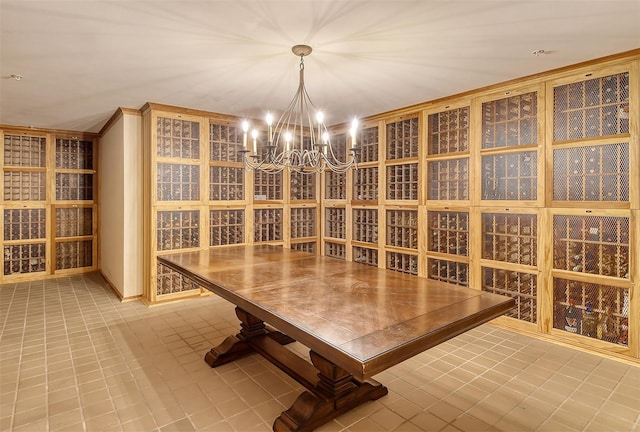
(538, 52)
(16, 77)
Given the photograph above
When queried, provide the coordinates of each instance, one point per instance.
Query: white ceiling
(82, 59)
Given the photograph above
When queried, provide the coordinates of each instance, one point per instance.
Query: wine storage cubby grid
(339, 146)
(178, 182)
(335, 185)
(74, 254)
(226, 227)
(226, 183)
(402, 182)
(309, 247)
(225, 143)
(365, 184)
(512, 176)
(74, 153)
(591, 108)
(368, 145)
(449, 131)
(519, 285)
(591, 244)
(448, 232)
(24, 258)
(74, 187)
(402, 262)
(365, 225)
(510, 238)
(178, 229)
(402, 139)
(303, 186)
(335, 250)
(303, 222)
(366, 256)
(74, 222)
(267, 225)
(267, 186)
(402, 228)
(593, 310)
(178, 138)
(336, 223)
(24, 186)
(452, 272)
(24, 224)
(510, 121)
(591, 173)
(170, 281)
(448, 179)
(25, 151)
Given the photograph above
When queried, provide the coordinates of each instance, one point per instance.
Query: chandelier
(300, 140)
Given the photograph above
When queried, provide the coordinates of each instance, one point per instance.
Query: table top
(362, 318)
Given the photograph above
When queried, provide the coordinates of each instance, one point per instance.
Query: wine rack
(510, 176)
(74, 153)
(24, 186)
(303, 186)
(402, 228)
(178, 182)
(339, 146)
(335, 250)
(368, 145)
(402, 139)
(593, 310)
(591, 173)
(303, 222)
(449, 131)
(591, 244)
(225, 143)
(74, 221)
(510, 121)
(177, 138)
(448, 232)
(74, 187)
(365, 225)
(592, 108)
(402, 262)
(402, 182)
(365, 256)
(226, 183)
(309, 247)
(336, 223)
(170, 281)
(74, 254)
(448, 179)
(267, 186)
(335, 185)
(267, 224)
(519, 285)
(178, 229)
(25, 151)
(226, 227)
(24, 258)
(452, 272)
(510, 238)
(25, 224)
(365, 184)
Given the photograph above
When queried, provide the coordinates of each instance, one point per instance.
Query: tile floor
(73, 358)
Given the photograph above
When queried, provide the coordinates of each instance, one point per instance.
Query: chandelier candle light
(298, 141)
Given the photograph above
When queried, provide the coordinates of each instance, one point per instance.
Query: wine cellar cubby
(335, 250)
(24, 186)
(225, 142)
(593, 310)
(592, 244)
(365, 184)
(511, 176)
(335, 185)
(226, 227)
(510, 238)
(178, 182)
(24, 258)
(591, 108)
(519, 285)
(449, 131)
(369, 144)
(591, 173)
(335, 223)
(310, 247)
(448, 180)
(365, 225)
(402, 228)
(453, 272)
(267, 186)
(402, 139)
(73, 221)
(172, 282)
(226, 183)
(303, 222)
(402, 182)
(177, 138)
(178, 229)
(448, 232)
(25, 151)
(74, 153)
(510, 121)
(74, 254)
(402, 262)
(25, 224)
(365, 255)
(303, 186)
(267, 225)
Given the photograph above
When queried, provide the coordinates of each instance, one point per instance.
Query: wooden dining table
(356, 320)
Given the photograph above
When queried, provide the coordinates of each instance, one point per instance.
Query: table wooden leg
(335, 393)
